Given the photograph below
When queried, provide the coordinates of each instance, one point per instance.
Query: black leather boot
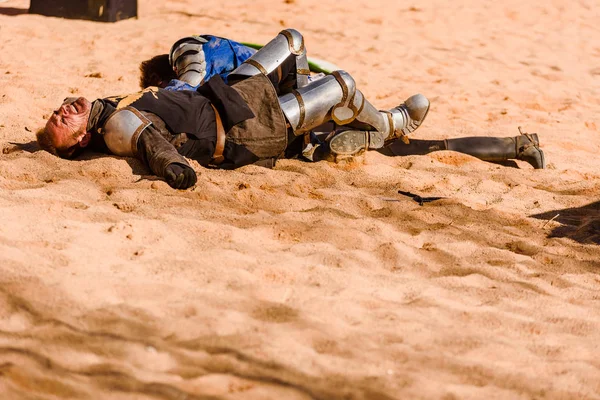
(524, 147)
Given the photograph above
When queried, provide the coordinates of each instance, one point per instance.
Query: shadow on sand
(29, 147)
(581, 224)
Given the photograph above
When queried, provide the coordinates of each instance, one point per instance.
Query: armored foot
(408, 116)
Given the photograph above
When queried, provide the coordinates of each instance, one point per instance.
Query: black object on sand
(95, 10)
(420, 199)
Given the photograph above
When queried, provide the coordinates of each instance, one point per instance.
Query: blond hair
(44, 141)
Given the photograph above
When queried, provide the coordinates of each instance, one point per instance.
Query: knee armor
(332, 97)
(269, 58)
(187, 59)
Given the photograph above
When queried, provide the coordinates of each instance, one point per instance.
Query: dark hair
(156, 71)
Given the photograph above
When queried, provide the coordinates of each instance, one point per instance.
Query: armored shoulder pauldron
(122, 131)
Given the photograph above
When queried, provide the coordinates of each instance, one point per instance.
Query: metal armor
(187, 59)
(335, 97)
(122, 131)
(269, 58)
(311, 105)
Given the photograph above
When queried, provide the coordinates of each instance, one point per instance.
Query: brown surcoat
(184, 123)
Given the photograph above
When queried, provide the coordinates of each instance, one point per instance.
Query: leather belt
(218, 157)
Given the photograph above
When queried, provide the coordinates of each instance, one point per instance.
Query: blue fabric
(222, 56)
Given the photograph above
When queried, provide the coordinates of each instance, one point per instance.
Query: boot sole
(536, 160)
(543, 159)
(349, 143)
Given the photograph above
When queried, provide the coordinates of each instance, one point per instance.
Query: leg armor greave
(333, 97)
(288, 43)
(326, 98)
(187, 59)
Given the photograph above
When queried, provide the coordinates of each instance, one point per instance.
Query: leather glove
(180, 176)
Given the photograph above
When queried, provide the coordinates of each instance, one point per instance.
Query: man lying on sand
(194, 59)
(262, 114)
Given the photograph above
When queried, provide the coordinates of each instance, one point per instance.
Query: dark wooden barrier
(95, 10)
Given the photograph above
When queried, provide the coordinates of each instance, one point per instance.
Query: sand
(311, 280)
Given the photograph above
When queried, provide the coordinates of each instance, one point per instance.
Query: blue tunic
(221, 56)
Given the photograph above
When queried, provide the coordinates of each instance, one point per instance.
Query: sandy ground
(311, 280)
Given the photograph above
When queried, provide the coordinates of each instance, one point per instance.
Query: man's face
(67, 126)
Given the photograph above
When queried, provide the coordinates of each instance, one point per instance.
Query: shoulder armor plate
(177, 50)
(122, 131)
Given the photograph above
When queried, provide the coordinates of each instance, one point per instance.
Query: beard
(75, 150)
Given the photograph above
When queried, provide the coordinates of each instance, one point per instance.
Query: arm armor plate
(187, 59)
(122, 131)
